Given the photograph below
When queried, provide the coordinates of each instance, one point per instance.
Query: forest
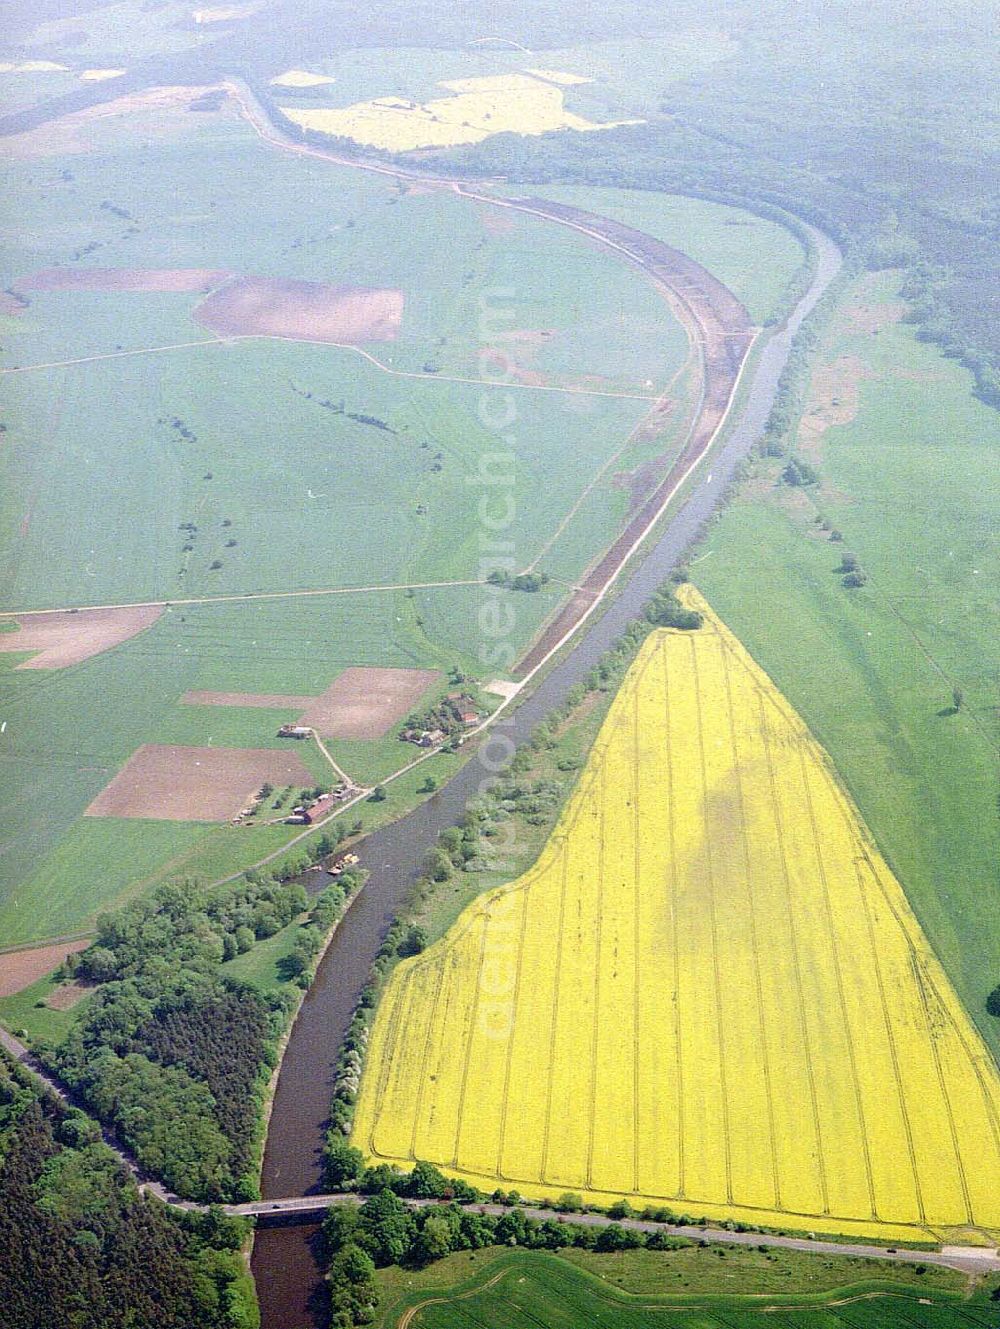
(84, 1250)
(171, 1052)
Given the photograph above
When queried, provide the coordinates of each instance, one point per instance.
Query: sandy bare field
(271, 701)
(19, 969)
(308, 311)
(67, 637)
(167, 782)
(198, 280)
(366, 703)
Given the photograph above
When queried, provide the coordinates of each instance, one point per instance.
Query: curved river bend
(288, 1281)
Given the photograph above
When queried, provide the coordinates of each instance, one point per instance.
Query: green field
(910, 482)
(287, 494)
(696, 1288)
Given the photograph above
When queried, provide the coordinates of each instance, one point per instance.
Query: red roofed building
(321, 808)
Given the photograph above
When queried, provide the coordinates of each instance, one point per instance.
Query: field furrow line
(424, 1062)
(674, 927)
(754, 945)
(713, 922)
(467, 1048)
(796, 957)
(560, 938)
(839, 972)
(505, 1100)
(893, 1050)
(637, 937)
(592, 1110)
(927, 1000)
(925, 980)
(394, 1023)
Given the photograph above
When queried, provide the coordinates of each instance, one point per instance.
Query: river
(284, 1266)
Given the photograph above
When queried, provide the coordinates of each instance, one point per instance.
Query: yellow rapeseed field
(477, 108)
(709, 992)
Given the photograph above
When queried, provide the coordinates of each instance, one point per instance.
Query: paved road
(967, 1259)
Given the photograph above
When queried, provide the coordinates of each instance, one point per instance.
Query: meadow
(906, 478)
(693, 1289)
(829, 1080)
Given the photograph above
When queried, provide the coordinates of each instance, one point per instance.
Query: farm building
(294, 731)
(318, 810)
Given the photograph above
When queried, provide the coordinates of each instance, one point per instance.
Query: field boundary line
(758, 981)
(727, 1143)
(762, 701)
(241, 338)
(689, 362)
(838, 969)
(117, 355)
(893, 1050)
(557, 983)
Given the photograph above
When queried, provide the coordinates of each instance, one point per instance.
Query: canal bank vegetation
(82, 1248)
(174, 1048)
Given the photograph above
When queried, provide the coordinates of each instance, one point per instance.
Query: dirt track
(723, 330)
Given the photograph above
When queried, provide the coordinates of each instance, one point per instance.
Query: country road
(966, 1259)
(970, 1260)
